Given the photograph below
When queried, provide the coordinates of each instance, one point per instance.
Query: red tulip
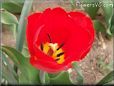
(57, 38)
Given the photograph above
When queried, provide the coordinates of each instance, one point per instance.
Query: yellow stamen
(61, 60)
(46, 48)
(51, 49)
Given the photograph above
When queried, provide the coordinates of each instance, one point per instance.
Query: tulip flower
(56, 38)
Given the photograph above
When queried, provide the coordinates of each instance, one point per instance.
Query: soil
(100, 54)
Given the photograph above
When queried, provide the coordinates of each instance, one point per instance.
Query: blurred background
(99, 61)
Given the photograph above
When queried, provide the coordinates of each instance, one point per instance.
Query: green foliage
(22, 25)
(104, 67)
(92, 11)
(73, 4)
(112, 29)
(7, 70)
(9, 19)
(27, 72)
(25, 51)
(90, 7)
(112, 24)
(44, 78)
(13, 6)
(107, 6)
(62, 78)
(108, 10)
(108, 78)
(53, 75)
(79, 77)
(55, 79)
(99, 27)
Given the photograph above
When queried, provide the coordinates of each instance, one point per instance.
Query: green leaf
(108, 78)
(62, 78)
(32, 73)
(112, 25)
(108, 11)
(73, 4)
(15, 1)
(112, 21)
(6, 62)
(87, 1)
(53, 75)
(8, 18)
(79, 77)
(99, 27)
(112, 29)
(44, 78)
(7, 70)
(12, 53)
(92, 11)
(90, 6)
(25, 51)
(28, 73)
(22, 24)
(12, 7)
(8, 75)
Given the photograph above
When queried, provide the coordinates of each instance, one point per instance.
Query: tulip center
(53, 50)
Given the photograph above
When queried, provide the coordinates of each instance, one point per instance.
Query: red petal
(55, 26)
(34, 24)
(84, 21)
(33, 20)
(48, 66)
(75, 29)
(80, 44)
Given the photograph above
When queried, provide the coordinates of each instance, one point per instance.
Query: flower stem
(22, 24)
(42, 77)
